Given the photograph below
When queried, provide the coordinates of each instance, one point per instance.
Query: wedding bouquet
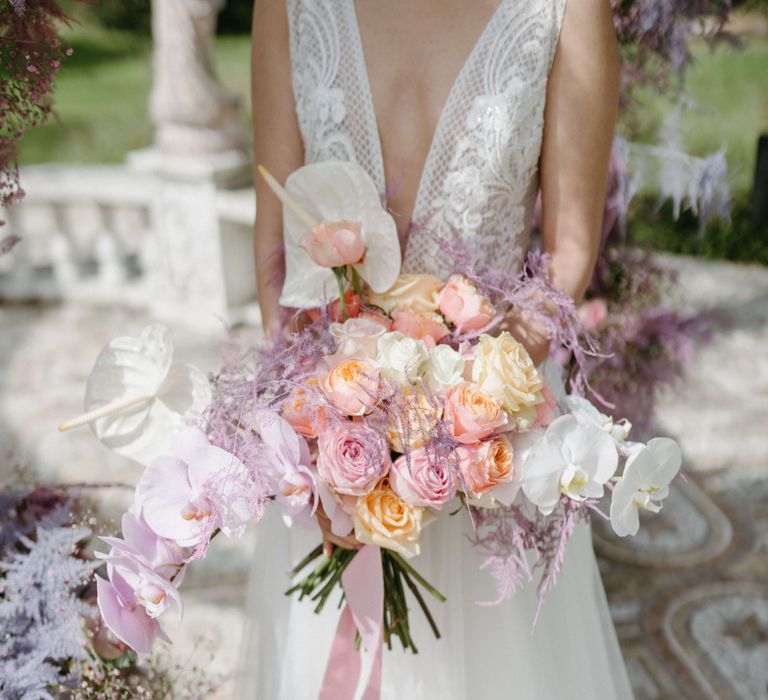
(398, 399)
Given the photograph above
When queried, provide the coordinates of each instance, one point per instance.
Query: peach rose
(352, 386)
(486, 465)
(504, 370)
(472, 415)
(419, 292)
(412, 416)
(334, 243)
(424, 326)
(593, 313)
(463, 306)
(384, 519)
(303, 411)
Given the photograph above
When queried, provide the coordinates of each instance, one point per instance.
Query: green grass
(730, 89)
(101, 100)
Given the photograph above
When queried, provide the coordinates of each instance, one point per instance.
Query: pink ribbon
(363, 583)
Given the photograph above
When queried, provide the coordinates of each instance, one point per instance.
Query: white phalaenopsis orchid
(586, 413)
(334, 191)
(572, 459)
(644, 484)
(136, 401)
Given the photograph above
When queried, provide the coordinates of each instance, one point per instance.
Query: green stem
(314, 554)
(422, 603)
(356, 285)
(341, 279)
(418, 577)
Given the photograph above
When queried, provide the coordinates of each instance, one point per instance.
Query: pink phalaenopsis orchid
(198, 487)
(126, 617)
(288, 466)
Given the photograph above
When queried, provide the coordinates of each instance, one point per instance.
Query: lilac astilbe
(41, 631)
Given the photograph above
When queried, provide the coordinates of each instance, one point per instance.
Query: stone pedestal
(200, 132)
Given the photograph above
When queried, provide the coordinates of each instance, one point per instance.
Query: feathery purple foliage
(507, 535)
(30, 57)
(41, 632)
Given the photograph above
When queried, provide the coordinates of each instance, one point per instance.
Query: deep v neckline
(380, 177)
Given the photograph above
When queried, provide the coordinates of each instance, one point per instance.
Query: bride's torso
(452, 125)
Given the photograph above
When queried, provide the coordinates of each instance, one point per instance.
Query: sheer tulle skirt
(485, 652)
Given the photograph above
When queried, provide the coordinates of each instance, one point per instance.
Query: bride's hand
(530, 333)
(329, 539)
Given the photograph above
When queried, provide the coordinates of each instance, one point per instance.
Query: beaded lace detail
(481, 175)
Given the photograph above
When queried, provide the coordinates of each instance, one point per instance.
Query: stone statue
(193, 113)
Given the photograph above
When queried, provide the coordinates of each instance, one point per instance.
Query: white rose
(445, 368)
(357, 337)
(401, 358)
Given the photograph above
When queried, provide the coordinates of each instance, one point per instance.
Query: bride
(460, 110)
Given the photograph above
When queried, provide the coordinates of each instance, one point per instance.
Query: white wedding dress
(480, 182)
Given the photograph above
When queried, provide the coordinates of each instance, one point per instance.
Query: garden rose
(334, 243)
(352, 458)
(357, 337)
(503, 369)
(419, 292)
(384, 519)
(303, 410)
(486, 465)
(352, 386)
(464, 306)
(445, 368)
(401, 358)
(412, 416)
(424, 326)
(471, 414)
(422, 480)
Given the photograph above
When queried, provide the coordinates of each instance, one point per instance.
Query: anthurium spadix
(136, 400)
(328, 193)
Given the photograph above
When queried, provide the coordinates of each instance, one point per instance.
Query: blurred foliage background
(101, 110)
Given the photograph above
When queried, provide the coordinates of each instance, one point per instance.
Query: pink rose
(472, 415)
(464, 306)
(377, 317)
(419, 325)
(593, 313)
(334, 243)
(352, 386)
(486, 465)
(424, 481)
(352, 458)
(357, 337)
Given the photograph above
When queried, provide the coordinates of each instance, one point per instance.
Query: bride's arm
(579, 120)
(276, 145)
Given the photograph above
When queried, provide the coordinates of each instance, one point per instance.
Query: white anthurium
(571, 459)
(587, 414)
(333, 191)
(644, 484)
(136, 400)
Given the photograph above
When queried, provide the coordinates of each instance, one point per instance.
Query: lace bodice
(481, 175)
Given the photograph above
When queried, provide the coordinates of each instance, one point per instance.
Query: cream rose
(400, 358)
(419, 292)
(384, 519)
(503, 369)
(445, 368)
(357, 337)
